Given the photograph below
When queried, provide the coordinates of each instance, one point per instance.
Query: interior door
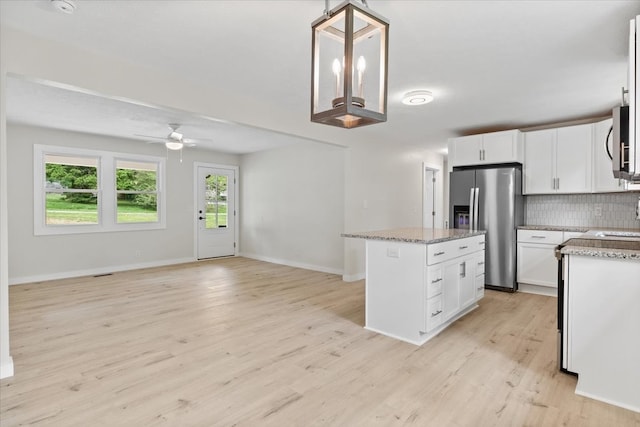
(216, 214)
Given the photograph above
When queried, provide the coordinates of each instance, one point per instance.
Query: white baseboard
(353, 277)
(96, 271)
(537, 289)
(289, 263)
(6, 369)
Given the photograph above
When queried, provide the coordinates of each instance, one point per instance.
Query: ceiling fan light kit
(177, 145)
(349, 62)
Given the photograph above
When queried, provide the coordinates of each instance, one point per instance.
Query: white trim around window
(105, 192)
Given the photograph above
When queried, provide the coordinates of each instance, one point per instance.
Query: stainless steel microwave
(620, 142)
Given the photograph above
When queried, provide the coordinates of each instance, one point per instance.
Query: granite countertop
(607, 248)
(555, 228)
(591, 244)
(415, 235)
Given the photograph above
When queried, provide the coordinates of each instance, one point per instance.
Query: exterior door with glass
(215, 212)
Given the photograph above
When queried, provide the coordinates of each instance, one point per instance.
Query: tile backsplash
(615, 210)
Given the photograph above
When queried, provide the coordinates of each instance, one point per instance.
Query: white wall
(383, 189)
(292, 203)
(6, 363)
(33, 258)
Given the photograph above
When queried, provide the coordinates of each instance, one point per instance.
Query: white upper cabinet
(603, 180)
(558, 160)
(488, 148)
(573, 159)
(539, 161)
(465, 150)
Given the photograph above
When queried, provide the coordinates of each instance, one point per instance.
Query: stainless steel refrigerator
(490, 198)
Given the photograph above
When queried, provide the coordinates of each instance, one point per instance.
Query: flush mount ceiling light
(417, 97)
(349, 66)
(64, 6)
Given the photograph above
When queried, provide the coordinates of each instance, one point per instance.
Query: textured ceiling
(490, 64)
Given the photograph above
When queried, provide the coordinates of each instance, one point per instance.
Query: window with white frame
(86, 191)
(136, 191)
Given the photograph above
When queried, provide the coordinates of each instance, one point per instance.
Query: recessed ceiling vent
(64, 6)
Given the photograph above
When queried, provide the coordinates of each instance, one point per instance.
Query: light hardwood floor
(238, 342)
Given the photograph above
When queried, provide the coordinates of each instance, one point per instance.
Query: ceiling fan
(174, 140)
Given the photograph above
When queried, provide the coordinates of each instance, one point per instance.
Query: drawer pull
(436, 280)
(538, 237)
(436, 313)
(463, 247)
(438, 253)
(481, 243)
(481, 263)
(480, 288)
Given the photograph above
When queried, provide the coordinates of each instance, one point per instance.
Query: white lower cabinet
(459, 283)
(537, 263)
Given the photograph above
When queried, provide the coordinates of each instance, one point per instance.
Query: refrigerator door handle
(471, 211)
(475, 207)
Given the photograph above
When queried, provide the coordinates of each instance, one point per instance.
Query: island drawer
(433, 313)
(434, 281)
(540, 236)
(479, 261)
(444, 251)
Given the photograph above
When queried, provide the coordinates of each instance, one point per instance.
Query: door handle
(200, 217)
(471, 194)
(475, 208)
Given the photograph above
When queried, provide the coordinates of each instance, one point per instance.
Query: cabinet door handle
(481, 263)
(480, 288)
(436, 280)
(463, 269)
(436, 313)
(463, 247)
(558, 187)
(438, 253)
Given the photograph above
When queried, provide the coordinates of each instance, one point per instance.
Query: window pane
(136, 186)
(216, 198)
(137, 208)
(68, 172)
(71, 208)
(136, 176)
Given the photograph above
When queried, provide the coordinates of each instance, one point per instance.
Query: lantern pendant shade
(349, 67)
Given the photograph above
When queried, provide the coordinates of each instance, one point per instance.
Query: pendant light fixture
(349, 46)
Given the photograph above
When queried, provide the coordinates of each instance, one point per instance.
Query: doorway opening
(432, 198)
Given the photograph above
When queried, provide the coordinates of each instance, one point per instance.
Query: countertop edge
(601, 252)
(412, 240)
(567, 228)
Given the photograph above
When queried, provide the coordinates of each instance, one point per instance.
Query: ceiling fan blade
(196, 140)
(189, 144)
(156, 142)
(150, 136)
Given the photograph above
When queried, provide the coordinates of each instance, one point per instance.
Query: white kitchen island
(602, 336)
(419, 280)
